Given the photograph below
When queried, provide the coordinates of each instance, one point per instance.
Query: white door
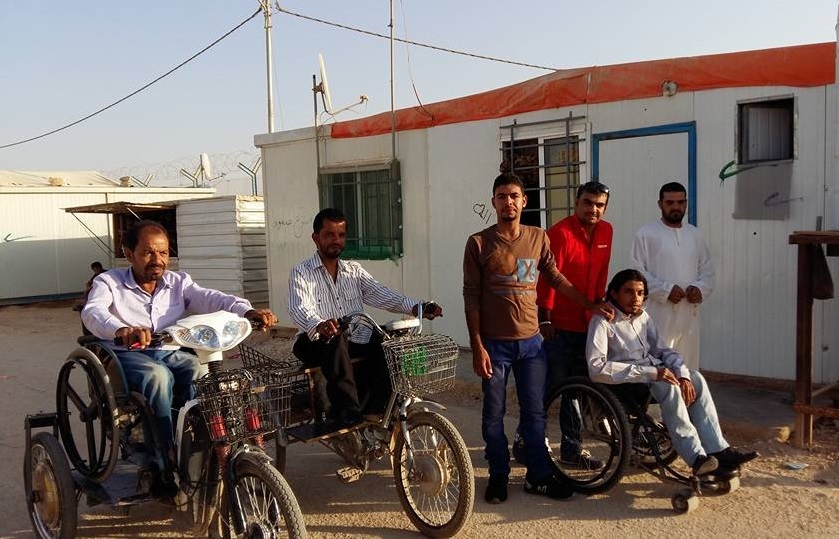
(634, 169)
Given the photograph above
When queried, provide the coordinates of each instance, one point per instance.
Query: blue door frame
(669, 129)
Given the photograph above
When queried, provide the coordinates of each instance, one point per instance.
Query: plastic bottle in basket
(414, 362)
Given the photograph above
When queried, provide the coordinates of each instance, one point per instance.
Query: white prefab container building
(221, 244)
(45, 252)
(752, 135)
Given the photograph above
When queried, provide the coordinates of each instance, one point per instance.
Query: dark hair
(132, 235)
(624, 276)
(96, 265)
(332, 214)
(593, 188)
(507, 178)
(672, 187)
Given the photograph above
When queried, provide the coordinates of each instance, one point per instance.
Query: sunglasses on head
(593, 188)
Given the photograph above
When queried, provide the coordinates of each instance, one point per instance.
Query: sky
(61, 61)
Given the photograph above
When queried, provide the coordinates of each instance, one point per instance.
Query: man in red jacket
(582, 245)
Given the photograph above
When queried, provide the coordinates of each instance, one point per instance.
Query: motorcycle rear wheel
(438, 491)
(50, 492)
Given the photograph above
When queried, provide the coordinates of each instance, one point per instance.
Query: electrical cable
(408, 56)
(135, 92)
(418, 44)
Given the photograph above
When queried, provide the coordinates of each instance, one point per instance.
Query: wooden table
(809, 247)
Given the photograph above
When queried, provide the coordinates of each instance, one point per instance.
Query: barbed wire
(224, 166)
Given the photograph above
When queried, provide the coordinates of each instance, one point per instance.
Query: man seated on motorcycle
(132, 303)
(321, 290)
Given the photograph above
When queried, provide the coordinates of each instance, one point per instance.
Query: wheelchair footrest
(41, 420)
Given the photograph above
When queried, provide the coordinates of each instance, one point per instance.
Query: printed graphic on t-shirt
(526, 270)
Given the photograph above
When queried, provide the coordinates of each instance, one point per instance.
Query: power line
(418, 44)
(135, 92)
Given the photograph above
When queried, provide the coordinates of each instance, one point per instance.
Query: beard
(674, 217)
(332, 251)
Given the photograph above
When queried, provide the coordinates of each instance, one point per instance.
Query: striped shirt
(314, 297)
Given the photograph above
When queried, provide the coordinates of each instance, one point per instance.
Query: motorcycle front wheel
(268, 506)
(438, 490)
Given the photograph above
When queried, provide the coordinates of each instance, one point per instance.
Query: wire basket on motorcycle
(236, 406)
(271, 373)
(421, 364)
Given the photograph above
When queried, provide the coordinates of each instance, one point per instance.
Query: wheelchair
(225, 484)
(617, 431)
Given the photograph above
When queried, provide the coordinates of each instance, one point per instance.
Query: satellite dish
(324, 86)
(205, 169)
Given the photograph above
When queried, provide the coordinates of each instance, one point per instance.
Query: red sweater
(585, 264)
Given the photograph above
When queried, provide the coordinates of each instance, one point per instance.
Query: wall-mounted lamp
(669, 88)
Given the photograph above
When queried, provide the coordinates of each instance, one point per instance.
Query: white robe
(674, 256)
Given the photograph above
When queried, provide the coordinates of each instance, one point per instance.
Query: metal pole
(266, 7)
(315, 91)
(392, 99)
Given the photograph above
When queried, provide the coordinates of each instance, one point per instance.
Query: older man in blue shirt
(132, 303)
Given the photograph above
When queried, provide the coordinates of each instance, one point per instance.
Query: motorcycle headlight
(233, 331)
(201, 336)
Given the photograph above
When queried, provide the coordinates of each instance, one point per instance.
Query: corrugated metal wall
(44, 251)
(221, 243)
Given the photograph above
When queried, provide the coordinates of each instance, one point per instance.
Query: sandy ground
(773, 501)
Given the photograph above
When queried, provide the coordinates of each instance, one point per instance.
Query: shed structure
(221, 244)
(751, 134)
(45, 252)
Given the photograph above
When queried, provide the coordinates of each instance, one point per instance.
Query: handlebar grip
(156, 340)
(429, 307)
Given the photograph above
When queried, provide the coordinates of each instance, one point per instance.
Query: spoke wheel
(438, 491)
(87, 415)
(50, 493)
(653, 439)
(598, 417)
(268, 506)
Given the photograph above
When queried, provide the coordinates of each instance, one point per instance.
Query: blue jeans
(566, 354)
(163, 377)
(526, 359)
(694, 430)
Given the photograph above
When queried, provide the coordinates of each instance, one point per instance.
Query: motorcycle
(430, 461)
(225, 482)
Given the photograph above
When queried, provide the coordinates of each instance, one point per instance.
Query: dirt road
(773, 501)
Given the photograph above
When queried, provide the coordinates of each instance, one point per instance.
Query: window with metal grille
(371, 199)
(766, 131)
(550, 171)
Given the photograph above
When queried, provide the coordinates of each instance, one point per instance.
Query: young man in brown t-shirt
(499, 291)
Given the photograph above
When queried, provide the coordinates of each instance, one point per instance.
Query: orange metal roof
(801, 66)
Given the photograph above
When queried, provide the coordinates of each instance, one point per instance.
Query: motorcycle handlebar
(160, 338)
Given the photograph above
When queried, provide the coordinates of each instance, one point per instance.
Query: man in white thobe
(677, 264)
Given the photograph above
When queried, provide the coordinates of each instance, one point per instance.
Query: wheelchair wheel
(591, 413)
(50, 492)
(87, 415)
(650, 439)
